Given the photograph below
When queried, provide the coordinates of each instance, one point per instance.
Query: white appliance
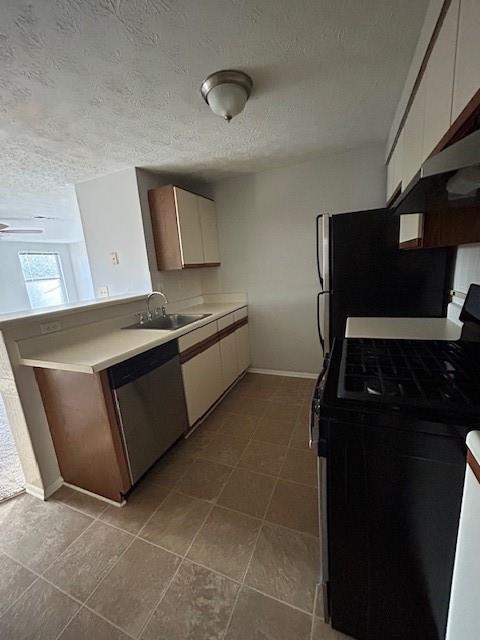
(464, 611)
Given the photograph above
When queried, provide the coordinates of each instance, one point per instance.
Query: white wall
(467, 267)
(112, 222)
(267, 245)
(13, 292)
(182, 284)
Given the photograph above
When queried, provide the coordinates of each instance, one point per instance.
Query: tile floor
(219, 540)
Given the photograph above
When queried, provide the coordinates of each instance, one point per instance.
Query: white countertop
(473, 443)
(403, 328)
(94, 347)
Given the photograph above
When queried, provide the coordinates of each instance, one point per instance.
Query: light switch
(114, 257)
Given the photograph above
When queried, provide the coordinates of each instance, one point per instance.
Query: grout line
(313, 614)
(37, 578)
(147, 622)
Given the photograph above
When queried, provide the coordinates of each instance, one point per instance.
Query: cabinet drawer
(194, 337)
(226, 321)
(241, 313)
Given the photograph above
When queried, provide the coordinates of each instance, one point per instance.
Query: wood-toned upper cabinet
(184, 229)
(438, 80)
(394, 168)
(467, 63)
(413, 136)
(208, 225)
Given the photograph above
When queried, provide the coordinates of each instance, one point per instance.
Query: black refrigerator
(362, 272)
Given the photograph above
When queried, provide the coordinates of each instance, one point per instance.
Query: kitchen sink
(170, 322)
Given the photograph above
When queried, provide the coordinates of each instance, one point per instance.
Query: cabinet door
(229, 355)
(411, 230)
(243, 348)
(467, 63)
(189, 227)
(202, 380)
(208, 224)
(394, 168)
(413, 136)
(439, 81)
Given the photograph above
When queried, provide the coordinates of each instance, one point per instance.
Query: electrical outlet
(102, 292)
(50, 327)
(114, 257)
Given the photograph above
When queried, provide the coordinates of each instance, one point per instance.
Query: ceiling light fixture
(226, 92)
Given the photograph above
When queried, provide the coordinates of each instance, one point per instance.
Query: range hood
(447, 181)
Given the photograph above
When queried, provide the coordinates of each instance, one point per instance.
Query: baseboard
(34, 491)
(288, 374)
(95, 495)
(44, 494)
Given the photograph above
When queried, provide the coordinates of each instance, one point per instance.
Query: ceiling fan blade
(21, 230)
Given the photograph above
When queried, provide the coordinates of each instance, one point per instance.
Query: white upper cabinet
(208, 225)
(439, 81)
(189, 227)
(412, 155)
(394, 168)
(467, 63)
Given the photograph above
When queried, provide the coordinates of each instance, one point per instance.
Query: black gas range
(390, 418)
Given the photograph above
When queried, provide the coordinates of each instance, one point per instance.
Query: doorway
(12, 480)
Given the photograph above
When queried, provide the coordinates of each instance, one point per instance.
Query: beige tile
(274, 431)
(248, 492)
(205, 479)
(257, 617)
(197, 605)
(300, 466)
(300, 436)
(79, 569)
(173, 465)
(223, 448)
(225, 542)
(32, 520)
(133, 588)
(177, 521)
(14, 579)
(141, 503)
(263, 392)
(39, 614)
(213, 423)
(285, 565)
(283, 411)
(263, 457)
(239, 426)
(80, 501)
(261, 380)
(295, 506)
(246, 406)
(323, 631)
(88, 626)
(298, 385)
(319, 603)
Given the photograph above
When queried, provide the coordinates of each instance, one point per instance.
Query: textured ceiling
(88, 87)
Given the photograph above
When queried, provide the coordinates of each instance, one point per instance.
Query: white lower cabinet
(243, 348)
(228, 353)
(202, 380)
(208, 373)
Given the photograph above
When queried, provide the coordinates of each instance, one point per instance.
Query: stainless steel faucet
(165, 302)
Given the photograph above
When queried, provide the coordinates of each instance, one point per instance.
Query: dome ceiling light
(226, 92)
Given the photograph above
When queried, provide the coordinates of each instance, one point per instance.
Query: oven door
(318, 441)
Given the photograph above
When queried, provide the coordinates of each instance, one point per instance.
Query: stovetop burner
(429, 373)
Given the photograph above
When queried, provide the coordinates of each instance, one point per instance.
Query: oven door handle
(315, 409)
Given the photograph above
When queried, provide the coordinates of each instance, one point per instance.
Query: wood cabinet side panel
(165, 228)
(84, 431)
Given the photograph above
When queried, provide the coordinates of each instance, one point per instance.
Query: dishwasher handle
(129, 370)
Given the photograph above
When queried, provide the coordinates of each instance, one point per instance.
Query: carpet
(12, 481)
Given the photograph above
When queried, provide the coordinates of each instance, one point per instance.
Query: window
(44, 279)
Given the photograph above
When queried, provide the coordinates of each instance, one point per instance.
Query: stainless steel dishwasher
(150, 404)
